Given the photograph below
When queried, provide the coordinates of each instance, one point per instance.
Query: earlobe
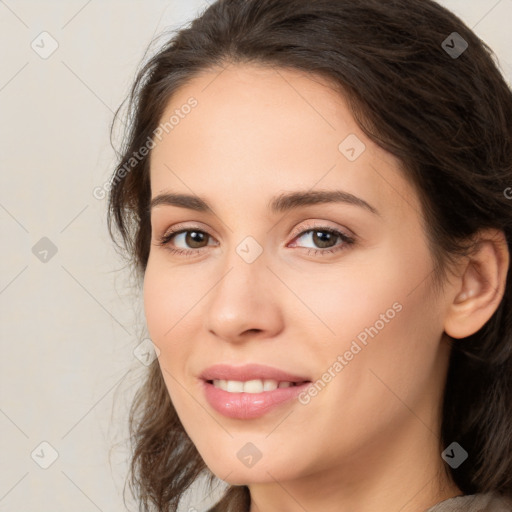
(480, 287)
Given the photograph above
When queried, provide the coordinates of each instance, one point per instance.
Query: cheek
(168, 307)
(158, 306)
(379, 317)
(386, 290)
(169, 312)
(387, 330)
(169, 299)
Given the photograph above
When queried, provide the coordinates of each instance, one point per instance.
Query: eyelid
(182, 226)
(347, 236)
(300, 229)
(310, 225)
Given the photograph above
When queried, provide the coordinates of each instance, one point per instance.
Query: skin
(370, 439)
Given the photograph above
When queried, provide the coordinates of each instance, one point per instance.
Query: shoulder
(488, 502)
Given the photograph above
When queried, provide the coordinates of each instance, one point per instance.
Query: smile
(251, 386)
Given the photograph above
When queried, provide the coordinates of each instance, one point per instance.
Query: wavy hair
(446, 117)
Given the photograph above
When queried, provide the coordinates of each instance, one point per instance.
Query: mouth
(253, 386)
(250, 391)
(250, 373)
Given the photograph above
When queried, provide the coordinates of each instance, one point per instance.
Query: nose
(245, 302)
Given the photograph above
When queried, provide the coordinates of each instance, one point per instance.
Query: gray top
(490, 502)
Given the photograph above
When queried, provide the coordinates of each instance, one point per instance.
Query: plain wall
(70, 319)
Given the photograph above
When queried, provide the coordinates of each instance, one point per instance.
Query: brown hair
(447, 117)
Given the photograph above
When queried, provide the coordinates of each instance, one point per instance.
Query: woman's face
(332, 292)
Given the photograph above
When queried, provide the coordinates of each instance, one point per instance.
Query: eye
(192, 237)
(195, 240)
(323, 239)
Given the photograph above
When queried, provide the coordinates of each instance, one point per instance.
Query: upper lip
(249, 372)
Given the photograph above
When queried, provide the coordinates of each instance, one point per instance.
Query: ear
(480, 285)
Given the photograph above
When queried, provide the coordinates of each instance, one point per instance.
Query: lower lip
(245, 406)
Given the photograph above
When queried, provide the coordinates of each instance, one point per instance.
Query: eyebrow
(279, 204)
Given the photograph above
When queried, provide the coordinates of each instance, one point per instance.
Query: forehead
(255, 127)
(272, 107)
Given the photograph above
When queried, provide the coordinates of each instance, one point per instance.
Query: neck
(402, 470)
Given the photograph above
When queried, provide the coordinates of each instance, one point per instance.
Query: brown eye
(193, 239)
(324, 238)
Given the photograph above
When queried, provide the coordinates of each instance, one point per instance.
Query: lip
(249, 405)
(249, 372)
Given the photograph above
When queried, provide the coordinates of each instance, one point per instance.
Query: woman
(315, 196)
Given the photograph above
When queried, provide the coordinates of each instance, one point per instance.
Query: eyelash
(347, 240)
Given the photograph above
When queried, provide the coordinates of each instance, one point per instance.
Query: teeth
(250, 386)
(269, 385)
(234, 386)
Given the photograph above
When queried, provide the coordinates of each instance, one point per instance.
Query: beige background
(70, 324)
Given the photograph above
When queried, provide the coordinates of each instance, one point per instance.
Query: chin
(235, 472)
(247, 476)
